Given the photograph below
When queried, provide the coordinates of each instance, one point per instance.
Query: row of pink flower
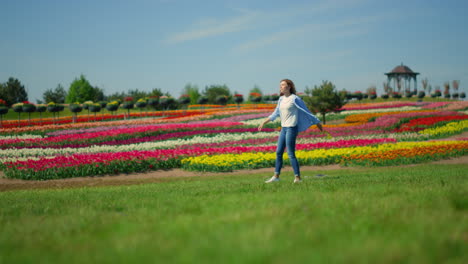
(243, 142)
(448, 106)
(165, 154)
(435, 105)
(230, 119)
(343, 132)
(381, 104)
(204, 114)
(239, 118)
(421, 123)
(233, 143)
(380, 126)
(95, 129)
(367, 107)
(377, 127)
(457, 105)
(163, 126)
(121, 131)
(272, 141)
(388, 121)
(362, 129)
(78, 142)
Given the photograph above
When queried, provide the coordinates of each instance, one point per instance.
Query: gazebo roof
(402, 70)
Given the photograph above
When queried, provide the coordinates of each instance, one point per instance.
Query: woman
(295, 117)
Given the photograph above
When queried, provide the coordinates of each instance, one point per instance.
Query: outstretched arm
(272, 117)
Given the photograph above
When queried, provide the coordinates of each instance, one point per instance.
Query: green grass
(416, 214)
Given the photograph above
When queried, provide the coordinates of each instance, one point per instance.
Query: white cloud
(209, 27)
(321, 7)
(270, 39)
(249, 20)
(320, 31)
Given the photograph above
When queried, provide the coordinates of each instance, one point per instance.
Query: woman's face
(284, 87)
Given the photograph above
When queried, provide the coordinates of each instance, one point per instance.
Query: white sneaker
(297, 181)
(272, 179)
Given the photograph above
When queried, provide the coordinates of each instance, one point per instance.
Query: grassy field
(415, 214)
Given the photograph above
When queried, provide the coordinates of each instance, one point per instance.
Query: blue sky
(120, 45)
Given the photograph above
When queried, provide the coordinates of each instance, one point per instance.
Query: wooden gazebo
(402, 76)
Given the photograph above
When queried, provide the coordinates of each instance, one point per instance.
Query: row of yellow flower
(448, 129)
(230, 162)
(408, 156)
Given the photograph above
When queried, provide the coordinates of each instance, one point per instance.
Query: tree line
(81, 91)
(321, 99)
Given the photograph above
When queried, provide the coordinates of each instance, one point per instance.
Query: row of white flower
(258, 121)
(131, 147)
(14, 159)
(369, 111)
(25, 136)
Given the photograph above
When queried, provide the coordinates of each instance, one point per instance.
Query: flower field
(223, 139)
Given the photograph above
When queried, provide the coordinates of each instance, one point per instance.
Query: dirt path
(134, 178)
(159, 176)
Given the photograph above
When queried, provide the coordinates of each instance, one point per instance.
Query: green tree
(3, 94)
(255, 94)
(156, 92)
(193, 92)
(81, 90)
(167, 102)
(137, 94)
(98, 94)
(213, 91)
(13, 92)
(256, 89)
(324, 99)
(56, 95)
(116, 96)
(222, 100)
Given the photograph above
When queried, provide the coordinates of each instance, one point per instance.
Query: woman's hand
(327, 134)
(319, 125)
(260, 127)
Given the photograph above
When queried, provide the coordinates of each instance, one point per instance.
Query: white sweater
(288, 112)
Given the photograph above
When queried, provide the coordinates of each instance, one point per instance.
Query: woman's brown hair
(292, 87)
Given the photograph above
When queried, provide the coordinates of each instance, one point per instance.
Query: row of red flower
(170, 131)
(425, 122)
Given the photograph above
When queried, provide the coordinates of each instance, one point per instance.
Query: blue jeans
(287, 139)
